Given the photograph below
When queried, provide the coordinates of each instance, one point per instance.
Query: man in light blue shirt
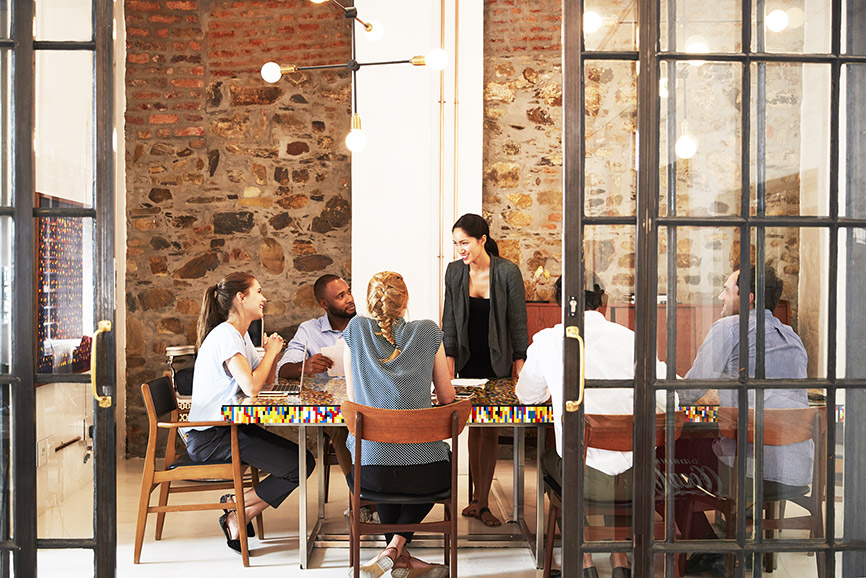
(334, 296)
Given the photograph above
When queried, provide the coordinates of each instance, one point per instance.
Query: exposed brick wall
(522, 190)
(226, 172)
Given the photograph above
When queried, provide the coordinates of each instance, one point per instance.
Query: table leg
(539, 501)
(519, 460)
(320, 459)
(302, 496)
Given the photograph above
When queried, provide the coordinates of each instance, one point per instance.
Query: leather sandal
(479, 516)
(468, 515)
(251, 531)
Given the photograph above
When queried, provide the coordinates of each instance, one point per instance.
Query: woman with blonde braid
(389, 364)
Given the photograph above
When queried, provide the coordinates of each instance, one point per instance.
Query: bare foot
(487, 517)
(470, 510)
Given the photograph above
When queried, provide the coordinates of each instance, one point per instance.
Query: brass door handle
(104, 400)
(572, 332)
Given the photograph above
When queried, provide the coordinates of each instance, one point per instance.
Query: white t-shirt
(212, 384)
(609, 355)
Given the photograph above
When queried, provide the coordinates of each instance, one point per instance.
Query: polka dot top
(402, 383)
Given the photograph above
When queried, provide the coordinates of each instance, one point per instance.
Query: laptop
(279, 389)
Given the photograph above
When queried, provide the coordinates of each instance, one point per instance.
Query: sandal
(224, 526)
(378, 566)
(493, 521)
(251, 531)
(466, 513)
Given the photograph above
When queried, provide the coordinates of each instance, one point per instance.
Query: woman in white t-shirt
(227, 362)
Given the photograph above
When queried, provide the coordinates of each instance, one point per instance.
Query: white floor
(193, 545)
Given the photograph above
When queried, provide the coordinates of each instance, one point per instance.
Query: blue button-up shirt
(785, 357)
(317, 334)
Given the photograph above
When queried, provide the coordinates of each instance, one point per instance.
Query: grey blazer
(507, 335)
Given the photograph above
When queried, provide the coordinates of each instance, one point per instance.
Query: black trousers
(259, 448)
(414, 480)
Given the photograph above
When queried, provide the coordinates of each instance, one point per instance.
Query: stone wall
(522, 163)
(228, 173)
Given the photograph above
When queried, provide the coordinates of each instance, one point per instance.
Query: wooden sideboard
(693, 322)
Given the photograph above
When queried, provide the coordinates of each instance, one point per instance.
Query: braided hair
(386, 300)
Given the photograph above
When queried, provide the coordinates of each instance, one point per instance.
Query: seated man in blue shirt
(335, 297)
(719, 358)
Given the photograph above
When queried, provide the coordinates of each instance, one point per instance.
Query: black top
(478, 364)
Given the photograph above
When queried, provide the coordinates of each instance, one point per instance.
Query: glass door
(714, 182)
(57, 351)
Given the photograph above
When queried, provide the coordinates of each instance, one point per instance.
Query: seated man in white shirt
(335, 297)
(609, 355)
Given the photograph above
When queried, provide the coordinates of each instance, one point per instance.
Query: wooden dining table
(318, 405)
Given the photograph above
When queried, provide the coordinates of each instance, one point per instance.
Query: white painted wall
(401, 217)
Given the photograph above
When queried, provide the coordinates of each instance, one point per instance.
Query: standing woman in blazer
(484, 321)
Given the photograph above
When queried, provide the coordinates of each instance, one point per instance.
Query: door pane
(65, 289)
(611, 138)
(64, 127)
(792, 27)
(64, 20)
(794, 145)
(609, 25)
(6, 235)
(700, 148)
(800, 259)
(64, 473)
(852, 148)
(851, 468)
(703, 259)
(5, 127)
(6, 468)
(700, 26)
(850, 313)
(5, 20)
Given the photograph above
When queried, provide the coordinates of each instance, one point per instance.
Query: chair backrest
(159, 398)
(781, 426)
(616, 432)
(402, 426)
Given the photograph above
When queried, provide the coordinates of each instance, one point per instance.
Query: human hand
(518, 367)
(273, 343)
(318, 364)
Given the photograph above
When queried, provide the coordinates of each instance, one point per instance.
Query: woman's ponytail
(216, 304)
(386, 300)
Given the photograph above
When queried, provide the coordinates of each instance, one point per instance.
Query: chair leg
(141, 522)
(552, 514)
(326, 450)
(452, 537)
(240, 512)
(260, 521)
(164, 491)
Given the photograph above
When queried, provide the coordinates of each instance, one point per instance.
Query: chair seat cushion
(381, 498)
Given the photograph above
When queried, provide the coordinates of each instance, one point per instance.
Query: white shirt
(212, 384)
(315, 334)
(609, 355)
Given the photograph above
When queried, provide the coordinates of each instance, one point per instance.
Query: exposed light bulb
(437, 59)
(591, 22)
(376, 31)
(271, 72)
(356, 140)
(663, 87)
(776, 21)
(697, 45)
(686, 145)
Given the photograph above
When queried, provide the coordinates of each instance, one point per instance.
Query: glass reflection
(852, 145)
(65, 291)
(790, 139)
(851, 470)
(5, 127)
(850, 293)
(64, 126)
(699, 139)
(610, 25)
(611, 138)
(791, 27)
(700, 27)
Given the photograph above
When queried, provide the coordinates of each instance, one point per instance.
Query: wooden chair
(402, 427)
(160, 401)
(781, 427)
(612, 433)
